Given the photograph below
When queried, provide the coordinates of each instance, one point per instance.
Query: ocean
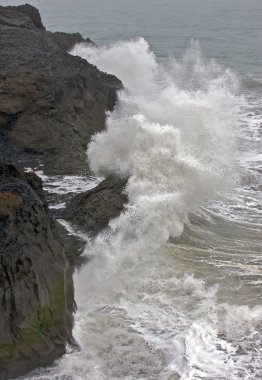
(172, 290)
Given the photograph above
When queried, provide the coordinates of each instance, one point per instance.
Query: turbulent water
(172, 289)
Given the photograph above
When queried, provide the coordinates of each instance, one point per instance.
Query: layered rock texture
(50, 102)
(36, 290)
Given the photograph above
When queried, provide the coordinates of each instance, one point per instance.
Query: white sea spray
(172, 133)
(142, 313)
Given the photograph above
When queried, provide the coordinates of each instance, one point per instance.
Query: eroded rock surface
(66, 41)
(50, 105)
(92, 210)
(50, 102)
(22, 16)
(36, 289)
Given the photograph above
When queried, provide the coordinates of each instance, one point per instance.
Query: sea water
(172, 290)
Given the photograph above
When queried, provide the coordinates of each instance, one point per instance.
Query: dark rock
(66, 41)
(36, 290)
(92, 210)
(50, 105)
(37, 185)
(29, 16)
(50, 102)
(74, 247)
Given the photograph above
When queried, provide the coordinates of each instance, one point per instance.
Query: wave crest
(172, 133)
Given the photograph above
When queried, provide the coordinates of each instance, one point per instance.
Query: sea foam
(172, 134)
(141, 315)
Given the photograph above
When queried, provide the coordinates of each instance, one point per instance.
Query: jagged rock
(92, 210)
(50, 105)
(36, 290)
(50, 102)
(67, 40)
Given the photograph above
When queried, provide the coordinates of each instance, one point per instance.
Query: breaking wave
(142, 314)
(172, 134)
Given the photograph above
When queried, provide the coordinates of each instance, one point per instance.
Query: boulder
(51, 102)
(92, 210)
(36, 288)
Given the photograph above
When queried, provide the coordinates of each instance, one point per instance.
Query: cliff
(50, 102)
(36, 289)
(50, 105)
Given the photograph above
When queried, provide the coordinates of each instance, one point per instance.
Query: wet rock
(36, 289)
(51, 103)
(92, 210)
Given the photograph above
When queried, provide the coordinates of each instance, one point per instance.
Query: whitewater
(171, 289)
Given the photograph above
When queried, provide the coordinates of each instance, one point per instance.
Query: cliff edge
(50, 101)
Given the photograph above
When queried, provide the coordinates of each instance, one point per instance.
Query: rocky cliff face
(50, 102)
(50, 105)
(36, 290)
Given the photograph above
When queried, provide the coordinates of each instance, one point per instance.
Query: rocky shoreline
(51, 103)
